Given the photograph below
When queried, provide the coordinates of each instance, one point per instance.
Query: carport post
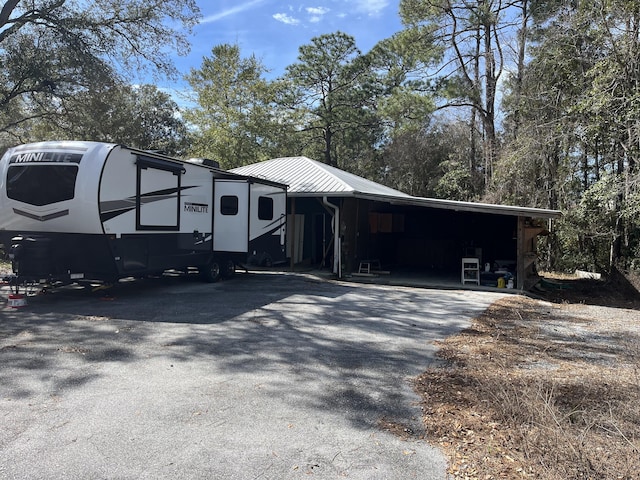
(337, 264)
(520, 267)
(293, 239)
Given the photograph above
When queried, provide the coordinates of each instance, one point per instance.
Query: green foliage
(586, 232)
(334, 91)
(430, 163)
(51, 51)
(572, 130)
(141, 117)
(235, 113)
(405, 110)
(474, 37)
(405, 99)
(456, 182)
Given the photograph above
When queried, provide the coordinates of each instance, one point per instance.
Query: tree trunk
(328, 137)
(522, 44)
(490, 102)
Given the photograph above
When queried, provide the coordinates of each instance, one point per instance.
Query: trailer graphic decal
(41, 218)
(114, 208)
(277, 223)
(206, 239)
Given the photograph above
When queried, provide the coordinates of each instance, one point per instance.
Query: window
(265, 208)
(229, 205)
(41, 185)
(158, 194)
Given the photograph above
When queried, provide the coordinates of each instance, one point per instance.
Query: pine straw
(532, 391)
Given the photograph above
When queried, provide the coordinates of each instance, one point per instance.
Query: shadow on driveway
(294, 345)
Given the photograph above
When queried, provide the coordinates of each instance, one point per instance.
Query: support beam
(337, 256)
(520, 254)
(293, 239)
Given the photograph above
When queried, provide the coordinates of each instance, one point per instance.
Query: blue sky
(273, 30)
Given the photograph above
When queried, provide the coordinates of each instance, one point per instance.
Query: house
(351, 224)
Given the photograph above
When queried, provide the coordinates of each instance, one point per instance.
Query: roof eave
(477, 207)
(440, 204)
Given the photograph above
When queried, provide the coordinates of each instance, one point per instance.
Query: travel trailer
(88, 211)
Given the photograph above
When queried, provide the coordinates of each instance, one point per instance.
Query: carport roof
(310, 178)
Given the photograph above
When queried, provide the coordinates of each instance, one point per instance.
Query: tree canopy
(333, 88)
(234, 115)
(137, 116)
(51, 50)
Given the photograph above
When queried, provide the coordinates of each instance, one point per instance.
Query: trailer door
(267, 224)
(231, 216)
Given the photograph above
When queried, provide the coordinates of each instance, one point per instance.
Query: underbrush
(537, 391)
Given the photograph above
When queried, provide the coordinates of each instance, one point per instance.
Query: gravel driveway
(267, 376)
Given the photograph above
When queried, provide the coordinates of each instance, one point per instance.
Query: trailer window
(41, 184)
(229, 205)
(157, 198)
(265, 208)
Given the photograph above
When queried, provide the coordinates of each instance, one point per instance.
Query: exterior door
(231, 216)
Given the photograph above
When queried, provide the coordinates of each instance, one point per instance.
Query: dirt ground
(545, 387)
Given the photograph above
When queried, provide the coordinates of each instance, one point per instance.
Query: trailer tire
(228, 268)
(211, 271)
(267, 261)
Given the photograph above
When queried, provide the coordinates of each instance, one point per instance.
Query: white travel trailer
(78, 211)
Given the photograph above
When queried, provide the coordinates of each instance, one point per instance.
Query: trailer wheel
(211, 271)
(267, 261)
(228, 268)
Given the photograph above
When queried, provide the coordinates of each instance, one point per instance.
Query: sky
(273, 30)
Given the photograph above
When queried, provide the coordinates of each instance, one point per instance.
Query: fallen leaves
(508, 406)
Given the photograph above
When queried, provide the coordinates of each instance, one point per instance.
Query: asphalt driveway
(270, 376)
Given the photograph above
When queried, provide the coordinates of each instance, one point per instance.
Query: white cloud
(230, 11)
(372, 7)
(316, 13)
(284, 18)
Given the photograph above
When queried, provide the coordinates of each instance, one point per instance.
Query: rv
(88, 211)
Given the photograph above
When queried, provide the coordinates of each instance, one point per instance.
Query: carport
(355, 226)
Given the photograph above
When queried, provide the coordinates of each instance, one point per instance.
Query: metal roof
(307, 177)
(310, 178)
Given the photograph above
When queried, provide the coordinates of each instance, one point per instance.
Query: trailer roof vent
(207, 162)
